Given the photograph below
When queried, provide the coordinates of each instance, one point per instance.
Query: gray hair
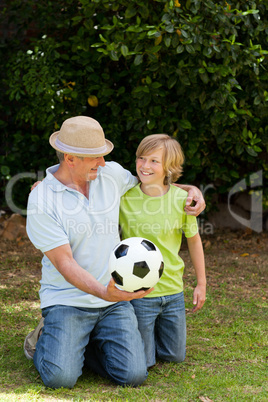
(60, 156)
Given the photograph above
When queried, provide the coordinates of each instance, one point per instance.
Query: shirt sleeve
(124, 178)
(43, 229)
(189, 226)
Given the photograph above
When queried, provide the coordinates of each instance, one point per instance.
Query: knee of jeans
(180, 357)
(135, 378)
(177, 357)
(58, 377)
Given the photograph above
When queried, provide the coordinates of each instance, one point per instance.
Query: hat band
(71, 149)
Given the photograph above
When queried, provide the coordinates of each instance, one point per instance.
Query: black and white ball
(136, 264)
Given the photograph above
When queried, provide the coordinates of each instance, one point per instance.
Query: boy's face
(150, 168)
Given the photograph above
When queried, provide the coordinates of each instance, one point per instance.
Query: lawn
(226, 356)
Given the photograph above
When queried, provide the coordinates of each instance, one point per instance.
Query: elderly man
(72, 217)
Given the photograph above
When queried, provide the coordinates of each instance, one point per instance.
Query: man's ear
(69, 159)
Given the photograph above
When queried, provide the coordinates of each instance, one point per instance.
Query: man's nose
(101, 161)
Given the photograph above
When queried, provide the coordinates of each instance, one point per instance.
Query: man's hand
(195, 202)
(114, 294)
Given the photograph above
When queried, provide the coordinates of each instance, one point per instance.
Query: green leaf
(172, 81)
(124, 50)
(251, 151)
(156, 85)
(185, 124)
(102, 38)
(138, 59)
(202, 97)
(5, 170)
(180, 49)
(152, 32)
(207, 51)
(257, 100)
(114, 55)
(130, 12)
(204, 78)
(234, 173)
(232, 115)
(167, 41)
(169, 28)
(144, 11)
(184, 33)
(250, 12)
(231, 99)
(239, 149)
(151, 124)
(134, 28)
(97, 44)
(257, 149)
(190, 49)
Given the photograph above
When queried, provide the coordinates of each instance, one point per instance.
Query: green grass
(226, 356)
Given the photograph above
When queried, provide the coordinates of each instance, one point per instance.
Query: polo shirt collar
(54, 184)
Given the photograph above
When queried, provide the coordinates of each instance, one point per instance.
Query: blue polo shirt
(58, 215)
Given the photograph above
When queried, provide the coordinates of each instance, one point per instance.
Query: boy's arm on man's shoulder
(35, 184)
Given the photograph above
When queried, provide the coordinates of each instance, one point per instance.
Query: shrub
(196, 70)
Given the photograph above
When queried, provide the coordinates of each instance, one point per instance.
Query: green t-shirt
(161, 220)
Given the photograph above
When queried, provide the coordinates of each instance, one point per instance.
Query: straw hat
(81, 136)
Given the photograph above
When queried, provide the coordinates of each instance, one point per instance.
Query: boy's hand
(35, 184)
(199, 297)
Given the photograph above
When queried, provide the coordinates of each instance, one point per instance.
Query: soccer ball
(136, 264)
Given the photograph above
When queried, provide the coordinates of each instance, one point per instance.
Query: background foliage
(194, 69)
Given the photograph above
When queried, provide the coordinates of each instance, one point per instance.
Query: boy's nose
(146, 163)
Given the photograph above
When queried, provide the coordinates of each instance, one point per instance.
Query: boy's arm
(198, 260)
(195, 203)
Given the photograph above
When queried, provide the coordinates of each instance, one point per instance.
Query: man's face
(86, 169)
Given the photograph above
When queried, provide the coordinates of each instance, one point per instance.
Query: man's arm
(195, 203)
(61, 257)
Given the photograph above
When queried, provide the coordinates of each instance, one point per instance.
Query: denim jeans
(106, 339)
(162, 324)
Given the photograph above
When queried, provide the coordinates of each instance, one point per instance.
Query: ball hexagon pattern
(135, 264)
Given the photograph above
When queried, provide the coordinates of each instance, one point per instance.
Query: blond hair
(173, 156)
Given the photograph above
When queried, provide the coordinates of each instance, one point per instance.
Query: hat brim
(109, 148)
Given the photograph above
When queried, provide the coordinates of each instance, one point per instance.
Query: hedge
(196, 70)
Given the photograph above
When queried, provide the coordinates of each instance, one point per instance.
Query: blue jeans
(162, 324)
(106, 339)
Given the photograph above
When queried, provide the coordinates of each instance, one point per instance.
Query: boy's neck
(153, 190)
